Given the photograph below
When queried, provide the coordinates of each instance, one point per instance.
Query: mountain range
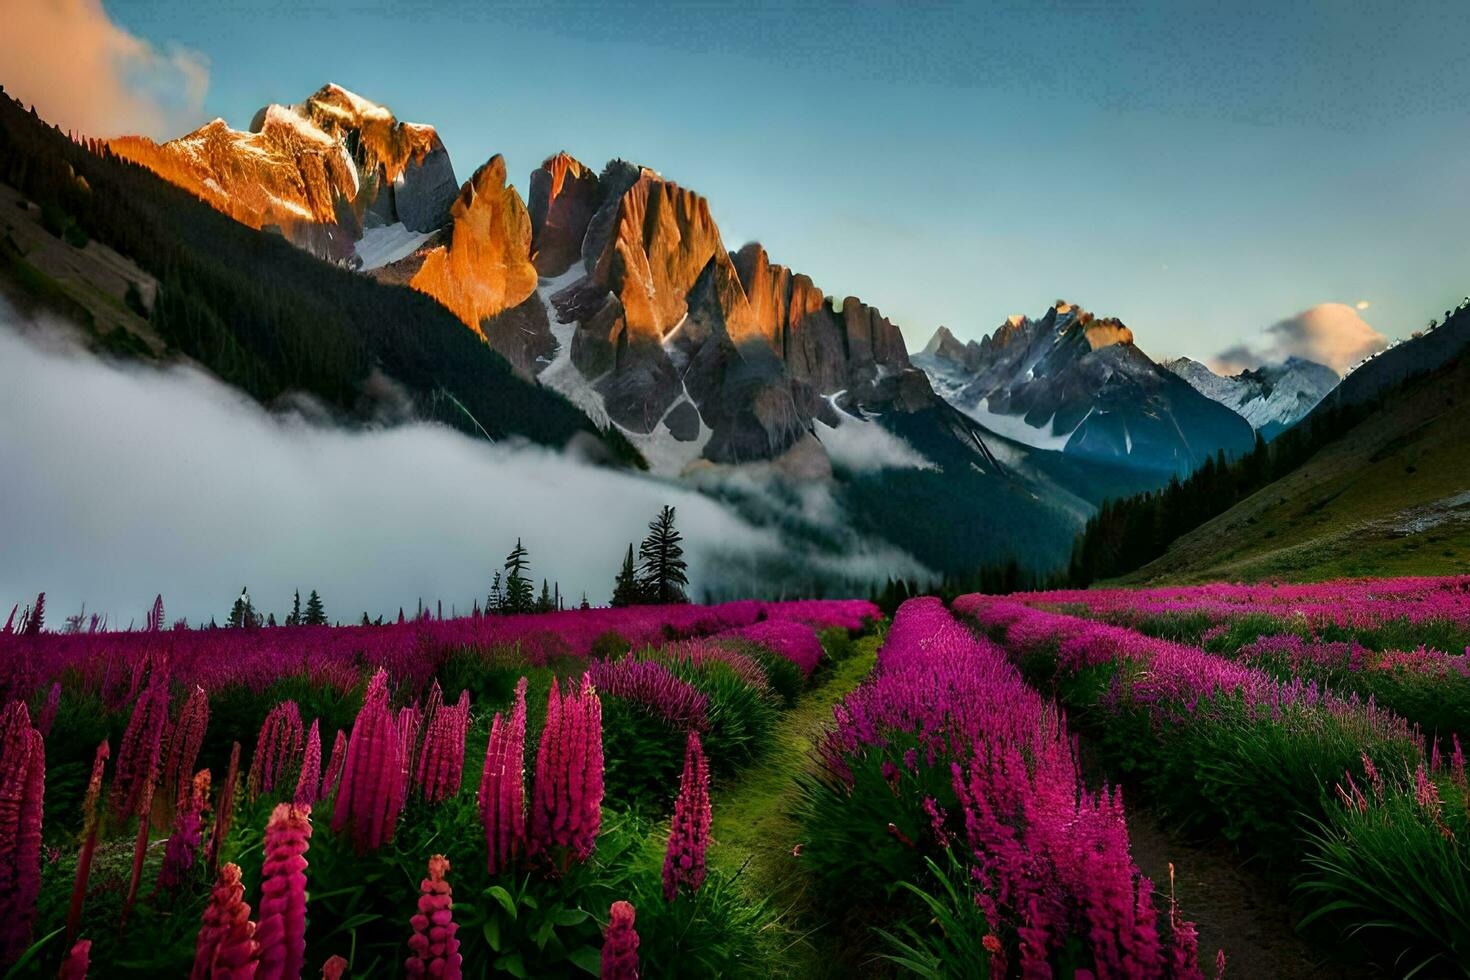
(611, 295)
(1272, 398)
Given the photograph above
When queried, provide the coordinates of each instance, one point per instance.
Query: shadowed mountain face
(1076, 383)
(616, 289)
(1272, 398)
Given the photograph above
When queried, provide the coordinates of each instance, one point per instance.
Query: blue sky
(1200, 171)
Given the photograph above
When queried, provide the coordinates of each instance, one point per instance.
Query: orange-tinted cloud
(85, 73)
(1329, 333)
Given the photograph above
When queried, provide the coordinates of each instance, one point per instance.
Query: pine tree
(316, 614)
(585, 604)
(625, 587)
(270, 620)
(36, 621)
(495, 601)
(295, 618)
(543, 604)
(242, 614)
(662, 571)
(519, 597)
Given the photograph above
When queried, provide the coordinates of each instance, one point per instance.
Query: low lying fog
(119, 482)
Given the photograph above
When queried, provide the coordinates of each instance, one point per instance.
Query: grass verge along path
(752, 825)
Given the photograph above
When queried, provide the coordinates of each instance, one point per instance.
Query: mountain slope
(1390, 495)
(1073, 382)
(321, 172)
(1271, 398)
(271, 319)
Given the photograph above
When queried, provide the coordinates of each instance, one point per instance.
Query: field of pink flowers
(537, 796)
(431, 798)
(1282, 721)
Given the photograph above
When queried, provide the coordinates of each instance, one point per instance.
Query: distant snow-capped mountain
(1077, 383)
(1272, 398)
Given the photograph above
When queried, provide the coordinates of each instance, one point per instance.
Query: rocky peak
(564, 195)
(485, 268)
(319, 171)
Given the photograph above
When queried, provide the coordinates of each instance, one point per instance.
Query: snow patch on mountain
(1271, 398)
(389, 243)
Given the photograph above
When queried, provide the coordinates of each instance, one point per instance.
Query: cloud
(85, 73)
(864, 447)
(1362, 304)
(123, 481)
(1329, 333)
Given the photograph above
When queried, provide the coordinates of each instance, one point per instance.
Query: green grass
(753, 829)
(1355, 509)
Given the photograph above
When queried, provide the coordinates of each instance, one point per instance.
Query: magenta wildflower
(620, 948)
(22, 789)
(566, 800)
(140, 752)
(308, 786)
(654, 687)
(184, 744)
(278, 750)
(77, 962)
(282, 929)
(689, 831)
(188, 833)
(503, 785)
(48, 711)
(371, 794)
(90, 820)
(226, 809)
(226, 947)
(434, 946)
(334, 765)
(441, 759)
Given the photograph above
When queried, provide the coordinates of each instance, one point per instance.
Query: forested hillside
(271, 319)
(1396, 444)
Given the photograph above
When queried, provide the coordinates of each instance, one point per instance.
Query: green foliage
(1395, 876)
(740, 717)
(625, 588)
(519, 597)
(643, 756)
(948, 945)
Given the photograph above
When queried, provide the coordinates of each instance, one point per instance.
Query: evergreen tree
(36, 621)
(365, 620)
(625, 587)
(316, 614)
(519, 597)
(270, 620)
(585, 604)
(155, 616)
(495, 601)
(662, 571)
(242, 614)
(295, 618)
(544, 604)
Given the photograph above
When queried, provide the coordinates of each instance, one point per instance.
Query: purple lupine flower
(654, 687)
(278, 749)
(566, 800)
(282, 928)
(689, 830)
(308, 786)
(441, 760)
(620, 948)
(503, 785)
(371, 794)
(433, 943)
(187, 834)
(22, 789)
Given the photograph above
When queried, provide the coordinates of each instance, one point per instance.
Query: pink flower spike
(282, 930)
(433, 943)
(620, 948)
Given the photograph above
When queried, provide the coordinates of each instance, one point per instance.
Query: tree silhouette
(625, 587)
(519, 595)
(661, 566)
(316, 614)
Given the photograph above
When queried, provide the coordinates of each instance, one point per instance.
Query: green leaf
(587, 959)
(30, 954)
(492, 933)
(502, 896)
(569, 917)
(513, 964)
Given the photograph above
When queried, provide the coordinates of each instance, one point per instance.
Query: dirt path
(1233, 908)
(752, 826)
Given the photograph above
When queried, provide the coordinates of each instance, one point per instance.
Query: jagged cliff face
(321, 172)
(564, 196)
(1271, 398)
(485, 268)
(681, 337)
(1073, 382)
